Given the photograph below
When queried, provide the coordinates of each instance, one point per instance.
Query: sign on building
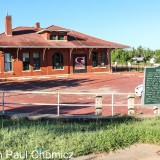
(80, 63)
(151, 93)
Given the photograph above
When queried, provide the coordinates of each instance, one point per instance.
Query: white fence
(112, 100)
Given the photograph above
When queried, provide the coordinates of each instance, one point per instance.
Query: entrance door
(79, 63)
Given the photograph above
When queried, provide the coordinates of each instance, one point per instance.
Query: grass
(81, 138)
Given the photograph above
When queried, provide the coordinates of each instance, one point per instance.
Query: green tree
(139, 51)
(157, 56)
(116, 55)
(148, 54)
(124, 56)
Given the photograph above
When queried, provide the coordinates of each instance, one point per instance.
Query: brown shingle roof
(28, 37)
(54, 27)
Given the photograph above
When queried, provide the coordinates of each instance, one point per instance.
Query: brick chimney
(37, 25)
(8, 25)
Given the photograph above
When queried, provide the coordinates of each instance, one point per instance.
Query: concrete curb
(87, 157)
(72, 117)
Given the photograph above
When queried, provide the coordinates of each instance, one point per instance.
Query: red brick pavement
(116, 83)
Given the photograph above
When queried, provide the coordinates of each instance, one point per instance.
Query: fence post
(131, 104)
(3, 102)
(58, 104)
(98, 105)
(156, 110)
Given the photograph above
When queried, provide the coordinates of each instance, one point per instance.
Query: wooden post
(58, 110)
(98, 105)
(109, 60)
(3, 102)
(131, 104)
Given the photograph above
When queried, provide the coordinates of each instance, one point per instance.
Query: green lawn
(81, 138)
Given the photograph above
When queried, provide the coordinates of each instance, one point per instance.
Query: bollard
(155, 110)
(131, 104)
(98, 105)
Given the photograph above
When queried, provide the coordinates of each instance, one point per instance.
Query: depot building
(31, 51)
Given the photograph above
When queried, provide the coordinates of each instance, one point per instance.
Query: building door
(79, 63)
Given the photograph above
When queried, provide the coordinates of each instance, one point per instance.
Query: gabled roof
(29, 37)
(54, 28)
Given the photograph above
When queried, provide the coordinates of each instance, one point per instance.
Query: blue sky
(130, 22)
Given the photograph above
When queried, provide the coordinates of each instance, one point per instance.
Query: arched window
(57, 61)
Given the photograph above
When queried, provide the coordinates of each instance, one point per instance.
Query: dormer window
(57, 37)
(52, 37)
(60, 37)
(54, 34)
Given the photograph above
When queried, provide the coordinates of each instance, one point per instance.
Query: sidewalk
(135, 152)
(55, 76)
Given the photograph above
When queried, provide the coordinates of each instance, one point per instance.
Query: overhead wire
(77, 39)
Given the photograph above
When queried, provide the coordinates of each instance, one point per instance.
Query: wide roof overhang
(116, 47)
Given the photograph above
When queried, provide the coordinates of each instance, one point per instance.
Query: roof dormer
(54, 34)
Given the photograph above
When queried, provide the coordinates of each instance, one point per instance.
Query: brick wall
(8, 25)
(46, 62)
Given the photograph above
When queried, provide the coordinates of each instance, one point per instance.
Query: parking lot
(116, 84)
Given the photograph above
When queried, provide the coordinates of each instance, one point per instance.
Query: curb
(87, 157)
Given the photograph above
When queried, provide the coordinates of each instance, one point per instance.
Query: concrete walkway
(135, 152)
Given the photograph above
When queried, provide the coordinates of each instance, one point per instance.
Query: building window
(94, 59)
(57, 61)
(8, 62)
(103, 59)
(52, 37)
(26, 62)
(36, 61)
(60, 37)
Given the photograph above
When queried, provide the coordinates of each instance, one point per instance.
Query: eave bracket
(70, 52)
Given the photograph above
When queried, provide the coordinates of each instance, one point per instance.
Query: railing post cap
(98, 96)
(131, 96)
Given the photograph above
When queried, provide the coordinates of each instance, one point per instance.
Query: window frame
(8, 62)
(103, 59)
(29, 63)
(95, 59)
(53, 39)
(60, 61)
(60, 36)
(38, 62)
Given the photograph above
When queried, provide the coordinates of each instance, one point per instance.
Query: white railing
(58, 104)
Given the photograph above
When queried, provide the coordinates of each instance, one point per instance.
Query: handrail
(30, 92)
(43, 104)
(94, 93)
(58, 104)
(83, 93)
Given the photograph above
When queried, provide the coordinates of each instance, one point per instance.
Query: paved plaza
(98, 83)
